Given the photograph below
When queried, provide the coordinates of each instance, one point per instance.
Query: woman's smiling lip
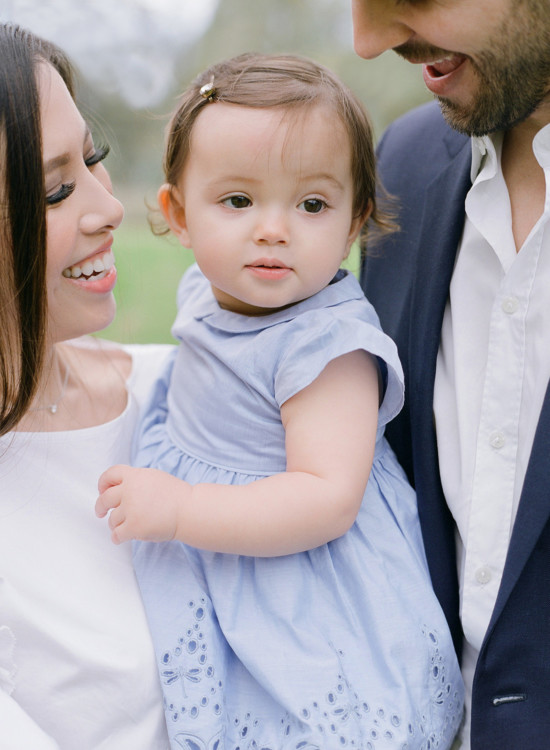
(97, 273)
(101, 260)
(103, 283)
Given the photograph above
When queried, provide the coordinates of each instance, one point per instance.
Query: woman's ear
(171, 206)
(356, 225)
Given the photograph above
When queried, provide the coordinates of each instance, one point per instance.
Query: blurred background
(133, 57)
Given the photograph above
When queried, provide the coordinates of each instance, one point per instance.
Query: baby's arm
(330, 435)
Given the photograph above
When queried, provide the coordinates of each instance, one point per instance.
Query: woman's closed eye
(67, 188)
(63, 192)
(98, 155)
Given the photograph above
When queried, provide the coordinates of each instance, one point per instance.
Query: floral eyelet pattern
(199, 717)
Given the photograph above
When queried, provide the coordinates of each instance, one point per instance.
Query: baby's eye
(237, 201)
(98, 155)
(313, 205)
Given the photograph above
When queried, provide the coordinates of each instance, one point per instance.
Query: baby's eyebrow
(322, 177)
(236, 178)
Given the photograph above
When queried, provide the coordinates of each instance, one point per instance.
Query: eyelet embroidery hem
(339, 719)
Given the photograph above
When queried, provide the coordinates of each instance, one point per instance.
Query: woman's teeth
(90, 267)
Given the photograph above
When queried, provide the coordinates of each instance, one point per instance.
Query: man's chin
(461, 119)
(481, 118)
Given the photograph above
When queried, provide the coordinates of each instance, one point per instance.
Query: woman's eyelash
(98, 155)
(68, 188)
(64, 191)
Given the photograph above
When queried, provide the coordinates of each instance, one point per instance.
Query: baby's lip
(268, 263)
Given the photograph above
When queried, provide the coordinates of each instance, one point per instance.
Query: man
(464, 289)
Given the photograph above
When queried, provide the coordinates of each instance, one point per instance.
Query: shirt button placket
(497, 440)
(510, 305)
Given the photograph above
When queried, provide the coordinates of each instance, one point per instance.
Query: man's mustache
(417, 52)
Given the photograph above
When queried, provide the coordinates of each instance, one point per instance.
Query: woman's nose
(103, 210)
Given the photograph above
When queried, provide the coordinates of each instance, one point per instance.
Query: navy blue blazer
(426, 166)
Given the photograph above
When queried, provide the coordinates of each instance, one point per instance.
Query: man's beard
(513, 74)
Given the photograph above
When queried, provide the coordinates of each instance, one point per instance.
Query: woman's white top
(77, 670)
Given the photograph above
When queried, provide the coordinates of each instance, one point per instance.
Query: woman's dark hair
(23, 303)
(288, 82)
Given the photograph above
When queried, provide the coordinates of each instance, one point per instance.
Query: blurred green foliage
(149, 269)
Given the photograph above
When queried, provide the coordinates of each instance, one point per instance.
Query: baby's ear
(356, 225)
(171, 206)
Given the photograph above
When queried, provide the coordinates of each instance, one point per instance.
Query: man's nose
(377, 27)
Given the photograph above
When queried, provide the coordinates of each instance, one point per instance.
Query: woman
(76, 663)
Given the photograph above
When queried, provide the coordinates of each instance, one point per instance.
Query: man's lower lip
(441, 85)
(98, 284)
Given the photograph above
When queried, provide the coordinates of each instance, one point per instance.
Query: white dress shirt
(493, 368)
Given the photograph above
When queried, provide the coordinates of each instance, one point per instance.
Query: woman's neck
(53, 386)
(82, 386)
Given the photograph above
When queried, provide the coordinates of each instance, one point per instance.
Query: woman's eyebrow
(62, 159)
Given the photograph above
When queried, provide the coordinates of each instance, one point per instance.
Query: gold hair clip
(208, 91)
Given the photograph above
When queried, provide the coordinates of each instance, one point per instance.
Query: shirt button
(497, 440)
(483, 575)
(510, 305)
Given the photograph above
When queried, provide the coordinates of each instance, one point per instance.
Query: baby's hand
(143, 503)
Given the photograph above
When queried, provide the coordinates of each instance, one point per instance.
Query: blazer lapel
(439, 237)
(440, 234)
(533, 511)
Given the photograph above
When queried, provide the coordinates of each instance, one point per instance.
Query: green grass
(149, 269)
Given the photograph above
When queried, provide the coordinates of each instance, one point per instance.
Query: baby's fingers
(111, 477)
(118, 527)
(108, 500)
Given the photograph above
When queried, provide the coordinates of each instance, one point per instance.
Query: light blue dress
(344, 646)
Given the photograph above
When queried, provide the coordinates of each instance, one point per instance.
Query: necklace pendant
(52, 408)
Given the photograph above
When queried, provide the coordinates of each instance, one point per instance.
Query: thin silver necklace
(52, 408)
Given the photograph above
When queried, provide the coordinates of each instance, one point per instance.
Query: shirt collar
(342, 288)
(541, 147)
(485, 154)
(486, 150)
